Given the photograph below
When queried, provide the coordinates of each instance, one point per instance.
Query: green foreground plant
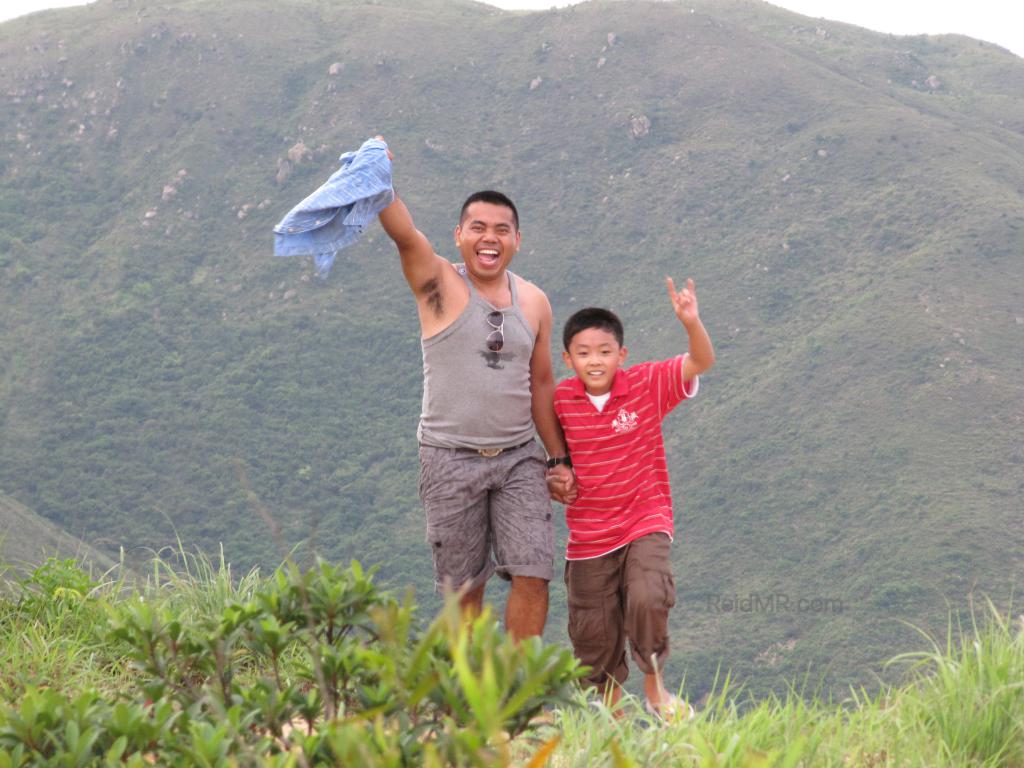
(314, 667)
(319, 667)
(962, 705)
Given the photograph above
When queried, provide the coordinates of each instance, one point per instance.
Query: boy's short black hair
(492, 197)
(592, 317)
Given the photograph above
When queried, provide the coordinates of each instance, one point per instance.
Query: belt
(490, 453)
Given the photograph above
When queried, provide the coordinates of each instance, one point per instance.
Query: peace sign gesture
(684, 302)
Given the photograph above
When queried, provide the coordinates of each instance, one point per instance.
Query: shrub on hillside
(315, 668)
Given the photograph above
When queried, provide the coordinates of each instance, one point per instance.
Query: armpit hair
(432, 290)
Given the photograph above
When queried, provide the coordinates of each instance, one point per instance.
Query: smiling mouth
(487, 255)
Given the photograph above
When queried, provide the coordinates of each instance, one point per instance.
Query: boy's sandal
(673, 709)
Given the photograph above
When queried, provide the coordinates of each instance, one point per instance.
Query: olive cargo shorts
(624, 594)
(477, 505)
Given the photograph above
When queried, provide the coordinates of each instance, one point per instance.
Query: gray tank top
(472, 397)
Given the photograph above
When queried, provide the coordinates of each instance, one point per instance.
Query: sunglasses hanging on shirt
(496, 338)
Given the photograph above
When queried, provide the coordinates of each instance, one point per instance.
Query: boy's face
(595, 355)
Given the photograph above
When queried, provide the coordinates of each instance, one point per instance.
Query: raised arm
(423, 269)
(701, 354)
(420, 265)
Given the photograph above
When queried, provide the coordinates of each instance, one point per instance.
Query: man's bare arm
(543, 407)
(561, 479)
(542, 386)
(420, 265)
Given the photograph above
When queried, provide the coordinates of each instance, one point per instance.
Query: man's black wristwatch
(554, 461)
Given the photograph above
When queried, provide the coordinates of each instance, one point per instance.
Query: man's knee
(527, 609)
(530, 585)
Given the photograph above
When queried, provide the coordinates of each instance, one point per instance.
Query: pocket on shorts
(590, 623)
(593, 618)
(653, 576)
(428, 456)
(446, 479)
(663, 585)
(538, 454)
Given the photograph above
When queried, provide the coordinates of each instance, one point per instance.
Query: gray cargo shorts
(487, 514)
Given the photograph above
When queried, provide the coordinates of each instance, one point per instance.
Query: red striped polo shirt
(619, 456)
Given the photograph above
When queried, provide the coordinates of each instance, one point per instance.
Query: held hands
(562, 484)
(684, 302)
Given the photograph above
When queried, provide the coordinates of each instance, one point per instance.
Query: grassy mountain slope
(854, 229)
(29, 539)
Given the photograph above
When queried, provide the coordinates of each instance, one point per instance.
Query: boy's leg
(594, 591)
(649, 595)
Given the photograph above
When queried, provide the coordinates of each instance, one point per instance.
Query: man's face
(595, 355)
(487, 238)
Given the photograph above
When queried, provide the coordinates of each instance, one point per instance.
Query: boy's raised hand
(684, 302)
(701, 354)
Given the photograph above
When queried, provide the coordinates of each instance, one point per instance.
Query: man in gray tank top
(488, 388)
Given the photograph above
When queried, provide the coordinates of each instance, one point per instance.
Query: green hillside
(849, 204)
(29, 539)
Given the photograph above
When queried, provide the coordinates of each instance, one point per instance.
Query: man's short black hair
(592, 317)
(494, 198)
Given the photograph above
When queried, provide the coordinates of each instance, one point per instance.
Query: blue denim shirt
(336, 214)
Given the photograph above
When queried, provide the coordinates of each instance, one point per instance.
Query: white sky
(997, 21)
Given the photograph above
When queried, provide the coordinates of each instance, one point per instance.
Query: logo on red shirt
(625, 421)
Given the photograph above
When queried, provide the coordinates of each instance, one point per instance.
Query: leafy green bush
(316, 667)
(57, 580)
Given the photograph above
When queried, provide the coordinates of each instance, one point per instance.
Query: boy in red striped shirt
(618, 574)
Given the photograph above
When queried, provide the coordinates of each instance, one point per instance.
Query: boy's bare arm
(701, 353)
